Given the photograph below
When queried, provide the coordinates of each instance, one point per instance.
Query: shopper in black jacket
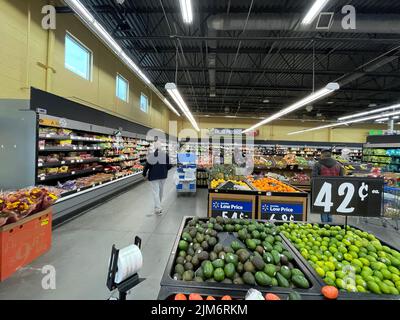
(156, 171)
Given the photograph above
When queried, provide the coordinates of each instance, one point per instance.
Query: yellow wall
(279, 130)
(26, 49)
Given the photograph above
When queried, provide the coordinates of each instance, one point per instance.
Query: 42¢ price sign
(347, 196)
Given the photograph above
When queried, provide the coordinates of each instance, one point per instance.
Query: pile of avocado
(256, 257)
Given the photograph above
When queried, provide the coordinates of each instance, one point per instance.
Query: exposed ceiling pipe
(366, 23)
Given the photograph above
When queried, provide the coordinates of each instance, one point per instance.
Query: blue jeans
(326, 217)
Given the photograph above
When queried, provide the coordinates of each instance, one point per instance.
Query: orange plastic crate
(24, 241)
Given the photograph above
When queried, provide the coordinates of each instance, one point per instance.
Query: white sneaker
(158, 212)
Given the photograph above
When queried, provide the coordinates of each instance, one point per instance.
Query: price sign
(233, 207)
(347, 196)
(282, 211)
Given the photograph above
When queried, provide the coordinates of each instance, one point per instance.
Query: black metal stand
(345, 222)
(127, 284)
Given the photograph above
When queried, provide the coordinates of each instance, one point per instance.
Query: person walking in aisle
(156, 171)
(327, 167)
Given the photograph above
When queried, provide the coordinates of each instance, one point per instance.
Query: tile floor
(81, 248)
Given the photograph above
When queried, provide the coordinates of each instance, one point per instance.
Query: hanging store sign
(347, 196)
(225, 132)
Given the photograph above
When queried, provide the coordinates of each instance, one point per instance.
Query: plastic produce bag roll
(130, 261)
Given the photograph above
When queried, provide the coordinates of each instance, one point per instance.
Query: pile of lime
(347, 258)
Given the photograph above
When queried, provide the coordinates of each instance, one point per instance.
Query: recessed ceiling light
(330, 102)
(266, 101)
(372, 105)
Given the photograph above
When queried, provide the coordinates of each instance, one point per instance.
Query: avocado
(274, 282)
(229, 228)
(222, 255)
(251, 244)
(208, 270)
(282, 281)
(219, 263)
(227, 280)
(205, 245)
(255, 234)
(199, 237)
(260, 250)
(238, 281)
(238, 227)
(218, 227)
(196, 246)
(294, 296)
(267, 246)
(249, 267)
(179, 269)
(263, 279)
(243, 255)
(190, 251)
(288, 255)
(230, 270)
(207, 237)
(236, 245)
(297, 272)
(199, 273)
(188, 275)
(213, 256)
(259, 263)
(276, 256)
(219, 274)
(218, 248)
(268, 258)
(249, 279)
(188, 258)
(232, 258)
(180, 260)
(213, 233)
(177, 277)
(242, 234)
(211, 280)
(239, 267)
(203, 255)
(278, 248)
(212, 241)
(285, 271)
(300, 282)
(284, 260)
(187, 237)
(198, 279)
(188, 266)
(219, 219)
(183, 245)
(270, 270)
(195, 260)
(270, 239)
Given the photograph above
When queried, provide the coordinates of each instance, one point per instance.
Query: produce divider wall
(343, 295)
(168, 281)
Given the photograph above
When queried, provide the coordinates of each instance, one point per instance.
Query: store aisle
(81, 248)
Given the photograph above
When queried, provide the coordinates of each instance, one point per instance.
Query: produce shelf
(70, 194)
(63, 163)
(60, 176)
(344, 295)
(167, 279)
(70, 148)
(73, 138)
(120, 160)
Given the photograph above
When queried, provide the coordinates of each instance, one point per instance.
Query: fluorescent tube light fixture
(102, 33)
(395, 113)
(171, 107)
(314, 11)
(187, 11)
(176, 96)
(361, 114)
(330, 87)
(386, 119)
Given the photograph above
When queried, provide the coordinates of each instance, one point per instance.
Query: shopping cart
(391, 206)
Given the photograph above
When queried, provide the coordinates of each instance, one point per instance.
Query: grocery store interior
(199, 150)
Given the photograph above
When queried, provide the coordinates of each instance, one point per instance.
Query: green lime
(320, 272)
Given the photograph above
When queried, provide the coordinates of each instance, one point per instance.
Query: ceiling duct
(366, 23)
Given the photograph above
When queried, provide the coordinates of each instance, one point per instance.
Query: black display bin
(167, 279)
(343, 295)
(168, 293)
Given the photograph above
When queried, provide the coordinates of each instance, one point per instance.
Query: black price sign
(347, 196)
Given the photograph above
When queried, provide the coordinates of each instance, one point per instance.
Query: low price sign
(347, 196)
(232, 209)
(281, 211)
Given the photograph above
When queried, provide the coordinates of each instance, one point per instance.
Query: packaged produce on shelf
(300, 179)
(290, 159)
(347, 258)
(19, 204)
(270, 185)
(256, 255)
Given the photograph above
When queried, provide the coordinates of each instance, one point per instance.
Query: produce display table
(24, 241)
